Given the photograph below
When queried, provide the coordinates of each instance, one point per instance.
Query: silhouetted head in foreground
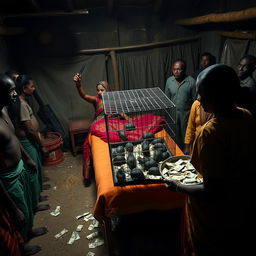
(218, 87)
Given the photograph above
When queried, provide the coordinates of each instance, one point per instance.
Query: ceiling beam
(139, 46)
(219, 17)
(76, 12)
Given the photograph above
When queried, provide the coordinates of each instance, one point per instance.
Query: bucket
(52, 141)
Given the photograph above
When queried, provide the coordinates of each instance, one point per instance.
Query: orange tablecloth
(115, 200)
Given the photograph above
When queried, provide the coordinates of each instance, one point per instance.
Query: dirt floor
(68, 192)
(141, 234)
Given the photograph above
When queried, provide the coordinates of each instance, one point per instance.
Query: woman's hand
(77, 78)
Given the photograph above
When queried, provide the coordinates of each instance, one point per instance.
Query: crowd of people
(219, 213)
(182, 89)
(215, 114)
(21, 178)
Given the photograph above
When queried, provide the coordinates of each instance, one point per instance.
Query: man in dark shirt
(206, 60)
(245, 68)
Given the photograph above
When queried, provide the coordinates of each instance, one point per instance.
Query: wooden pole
(219, 17)
(112, 52)
(115, 70)
(38, 14)
(139, 46)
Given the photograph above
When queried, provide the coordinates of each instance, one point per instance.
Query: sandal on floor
(45, 179)
(43, 198)
(46, 186)
(38, 232)
(31, 249)
(42, 207)
(87, 182)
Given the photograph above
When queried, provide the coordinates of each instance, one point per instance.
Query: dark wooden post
(115, 70)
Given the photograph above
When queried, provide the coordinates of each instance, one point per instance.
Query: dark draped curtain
(53, 77)
(235, 49)
(151, 68)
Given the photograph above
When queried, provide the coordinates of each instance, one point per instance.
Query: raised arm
(77, 80)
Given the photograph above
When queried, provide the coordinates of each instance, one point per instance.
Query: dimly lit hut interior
(96, 76)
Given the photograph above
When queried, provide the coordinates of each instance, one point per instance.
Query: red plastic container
(52, 141)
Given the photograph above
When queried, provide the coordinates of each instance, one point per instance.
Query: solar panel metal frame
(137, 100)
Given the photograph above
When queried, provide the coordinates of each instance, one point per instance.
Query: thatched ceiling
(180, 9)
(17, 7)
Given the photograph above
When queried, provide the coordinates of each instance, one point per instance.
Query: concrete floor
(142, 234)
(74, 199)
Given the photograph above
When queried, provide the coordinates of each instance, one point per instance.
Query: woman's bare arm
(77, 79)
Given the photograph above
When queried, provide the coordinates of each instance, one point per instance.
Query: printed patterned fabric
(144, 123)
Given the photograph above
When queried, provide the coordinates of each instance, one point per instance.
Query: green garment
(182, 96)
(16, 182)
(35, 179)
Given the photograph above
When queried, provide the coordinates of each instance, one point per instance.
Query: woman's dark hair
(22, 82)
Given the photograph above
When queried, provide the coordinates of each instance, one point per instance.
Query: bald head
(179, 69)
(7, 90)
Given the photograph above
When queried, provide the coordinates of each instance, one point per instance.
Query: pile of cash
(181, 170)
(87, 216)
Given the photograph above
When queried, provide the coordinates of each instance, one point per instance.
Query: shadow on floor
(148, 233)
